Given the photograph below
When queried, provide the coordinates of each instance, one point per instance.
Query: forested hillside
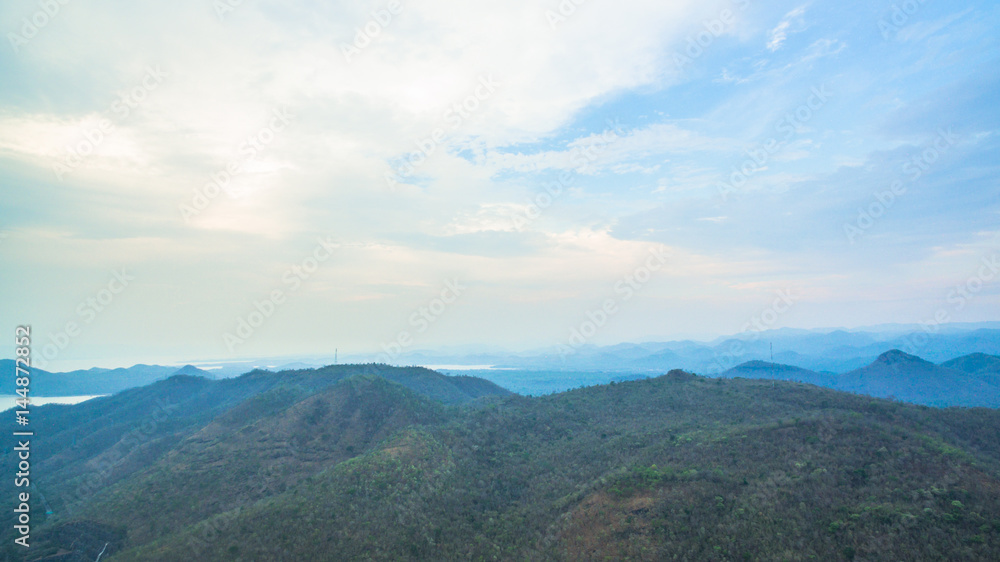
(341, 464)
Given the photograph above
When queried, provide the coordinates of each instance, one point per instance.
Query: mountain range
(386, 463)
(970, 380)
(89, 382)
(833, 350)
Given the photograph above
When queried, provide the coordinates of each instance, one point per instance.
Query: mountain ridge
(674, 465)
(893, 374)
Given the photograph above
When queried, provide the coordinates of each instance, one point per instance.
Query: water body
(7, 401)
(459, 367)
(538, 383)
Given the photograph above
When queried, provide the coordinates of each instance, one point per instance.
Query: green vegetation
(340, 464)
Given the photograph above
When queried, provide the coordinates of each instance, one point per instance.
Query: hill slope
(263, 446)
(676, 466)
(90, 448)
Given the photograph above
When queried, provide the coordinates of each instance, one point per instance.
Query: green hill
(262, 447)
(676, 467)
(976, 363)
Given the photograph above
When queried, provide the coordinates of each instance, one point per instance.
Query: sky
(225, 179)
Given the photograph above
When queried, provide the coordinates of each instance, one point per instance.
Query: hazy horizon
(344, 356)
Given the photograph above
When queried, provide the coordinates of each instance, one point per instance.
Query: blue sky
(843, 152)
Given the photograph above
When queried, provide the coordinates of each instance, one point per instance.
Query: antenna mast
(771, 344)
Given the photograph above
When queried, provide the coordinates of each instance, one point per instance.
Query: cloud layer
(537, 151)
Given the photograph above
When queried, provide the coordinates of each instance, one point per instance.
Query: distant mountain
(774, 371)
(342, 463)
(84, 382)
(833, 350)
(193, 371)
(296, 366)
(896, 374)
(819, 344)
(530, 382)
(976, 363)
(953, 327)
(909, 378)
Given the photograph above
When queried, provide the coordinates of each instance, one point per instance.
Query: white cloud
(324, 173)
(613, 152)
(791, 23)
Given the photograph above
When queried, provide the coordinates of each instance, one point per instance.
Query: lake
(7, 401)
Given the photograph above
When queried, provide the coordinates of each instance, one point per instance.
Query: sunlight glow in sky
(844, 152)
